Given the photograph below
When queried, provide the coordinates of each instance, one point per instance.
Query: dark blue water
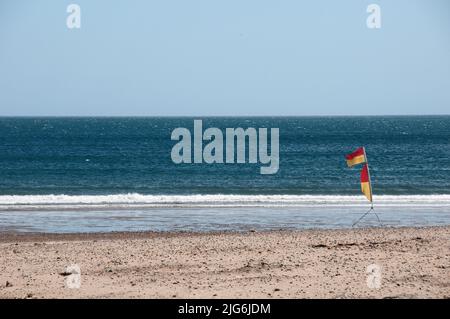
(83, 156)
(116, 174)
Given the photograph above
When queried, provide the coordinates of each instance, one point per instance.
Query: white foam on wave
(133, 200)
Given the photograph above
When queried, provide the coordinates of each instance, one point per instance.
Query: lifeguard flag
(357, 157)
(366, 188)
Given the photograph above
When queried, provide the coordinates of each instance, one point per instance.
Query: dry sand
(281, 264)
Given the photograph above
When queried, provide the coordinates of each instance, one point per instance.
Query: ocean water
(106, 174)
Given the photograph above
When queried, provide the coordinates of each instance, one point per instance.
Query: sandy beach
(414, 263)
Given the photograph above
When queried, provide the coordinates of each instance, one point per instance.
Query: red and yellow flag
(366, 188)
(357, 157)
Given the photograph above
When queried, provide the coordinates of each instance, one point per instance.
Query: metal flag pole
(371, 195)
(370, 180)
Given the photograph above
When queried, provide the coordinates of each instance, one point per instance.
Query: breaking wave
(133, 200)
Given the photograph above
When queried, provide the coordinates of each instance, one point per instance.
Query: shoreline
(311, 263)
(21, 236)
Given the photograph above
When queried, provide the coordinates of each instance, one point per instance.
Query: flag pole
(370, 180)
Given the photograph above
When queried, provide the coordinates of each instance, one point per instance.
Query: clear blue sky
(224, 57)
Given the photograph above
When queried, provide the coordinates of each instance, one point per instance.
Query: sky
(224, 58)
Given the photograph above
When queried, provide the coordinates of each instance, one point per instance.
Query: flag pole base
(364, 215)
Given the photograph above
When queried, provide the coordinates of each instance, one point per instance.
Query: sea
(105, 174)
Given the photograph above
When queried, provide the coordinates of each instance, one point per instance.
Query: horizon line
(217, 116)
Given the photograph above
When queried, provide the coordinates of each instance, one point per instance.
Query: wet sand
(414, 263)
